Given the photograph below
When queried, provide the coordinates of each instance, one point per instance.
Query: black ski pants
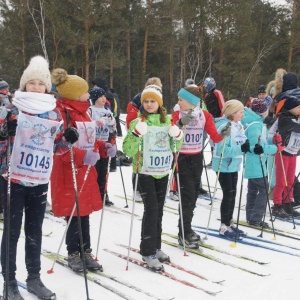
(153, 192)
(31, 200)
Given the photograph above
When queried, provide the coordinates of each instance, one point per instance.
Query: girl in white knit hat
(29, 129)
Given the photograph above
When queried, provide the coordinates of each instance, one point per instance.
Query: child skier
(105, 131)
(29, 128)
(190, 160)
(227, 161)
(79, 129)
(152, 165)
(258, 185)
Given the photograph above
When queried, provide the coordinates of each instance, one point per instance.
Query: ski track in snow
(283, 268)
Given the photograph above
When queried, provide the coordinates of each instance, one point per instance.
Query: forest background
(239, 43)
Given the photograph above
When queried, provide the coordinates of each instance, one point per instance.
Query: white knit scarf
(34, 103)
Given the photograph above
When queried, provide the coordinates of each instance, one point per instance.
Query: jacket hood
(250, 116)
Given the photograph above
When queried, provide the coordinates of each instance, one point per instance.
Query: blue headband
(189, 97)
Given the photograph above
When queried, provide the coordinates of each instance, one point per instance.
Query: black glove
(12, 127)
(71, 135)
(246, 147)
(258, 149)
(186, 119)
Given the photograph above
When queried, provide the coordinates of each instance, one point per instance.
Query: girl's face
(84, 97)
(100, 101)
(237, 116)
(35, 86)
(150, 106)
(185, 105)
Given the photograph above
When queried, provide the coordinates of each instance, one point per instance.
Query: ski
(163, 273)
(277, 231)
(90, 277)
(52, 256)
(255, 244)
(207, 197)
(259, 239)
(175, 266)
(211, 247)
(213, 258)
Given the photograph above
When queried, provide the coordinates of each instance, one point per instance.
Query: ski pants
(228, 182)
(153, 192)
(31, 200)
(101, 167)
(72, 237)
(190, 169)
(256, 199)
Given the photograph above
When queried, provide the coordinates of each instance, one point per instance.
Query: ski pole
(208, 185)
(268, 200)
(233, 245)
(69, 221)
(134, 195)
(102, 213)
(79, 220)
(295, 181)
(126, 206)
(215, 188)
(7, 223)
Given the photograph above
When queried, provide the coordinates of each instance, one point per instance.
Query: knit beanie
(290, 82)
(189, 97)
(189, 81)
(100, 82)
(96, 93)
(69, 86)
(3, 87)
(232, 106)
(38, 68)
(261, 89)
(152, 92)
(291, 102)
(259, 106)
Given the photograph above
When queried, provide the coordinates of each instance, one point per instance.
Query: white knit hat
(38, 68)
(153, 92)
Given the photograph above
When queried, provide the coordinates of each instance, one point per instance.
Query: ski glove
(91, 157)
(11, 127)
(277, 140)
(140, 128)
(246, 147)
(71, 135)
(186, 119)
(111, 150)
(226, 131)
(175, 132)
(258, 149)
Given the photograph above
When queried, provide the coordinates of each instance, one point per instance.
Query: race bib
(32, 154)
(87, 135)
(294, 144)
(157, 154)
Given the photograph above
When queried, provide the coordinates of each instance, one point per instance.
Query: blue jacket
(232, 155)
(254, 125)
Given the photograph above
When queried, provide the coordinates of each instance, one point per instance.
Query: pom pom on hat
(261, 89)
(96, 93)
(69, 86)
(291, 102)
(38, 68)
(3, 87)
(189, 81)
(232, 106)
(290, 82)
(152, 92)
(259, 106)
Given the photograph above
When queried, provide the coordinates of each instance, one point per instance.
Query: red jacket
(132, 113)
(62, 186)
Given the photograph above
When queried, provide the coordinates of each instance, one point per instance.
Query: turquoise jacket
(131, 141)
(232, 155)
(254, 125)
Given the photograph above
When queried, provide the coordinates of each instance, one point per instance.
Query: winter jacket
(280, 98)
(232, 155)
(214, 101)
(254, 125)
(62, 186)
(131, 141)
(287, 123)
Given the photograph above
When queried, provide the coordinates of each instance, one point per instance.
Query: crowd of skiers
(56, 130)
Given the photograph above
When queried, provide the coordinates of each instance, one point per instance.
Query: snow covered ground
(238, 282)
